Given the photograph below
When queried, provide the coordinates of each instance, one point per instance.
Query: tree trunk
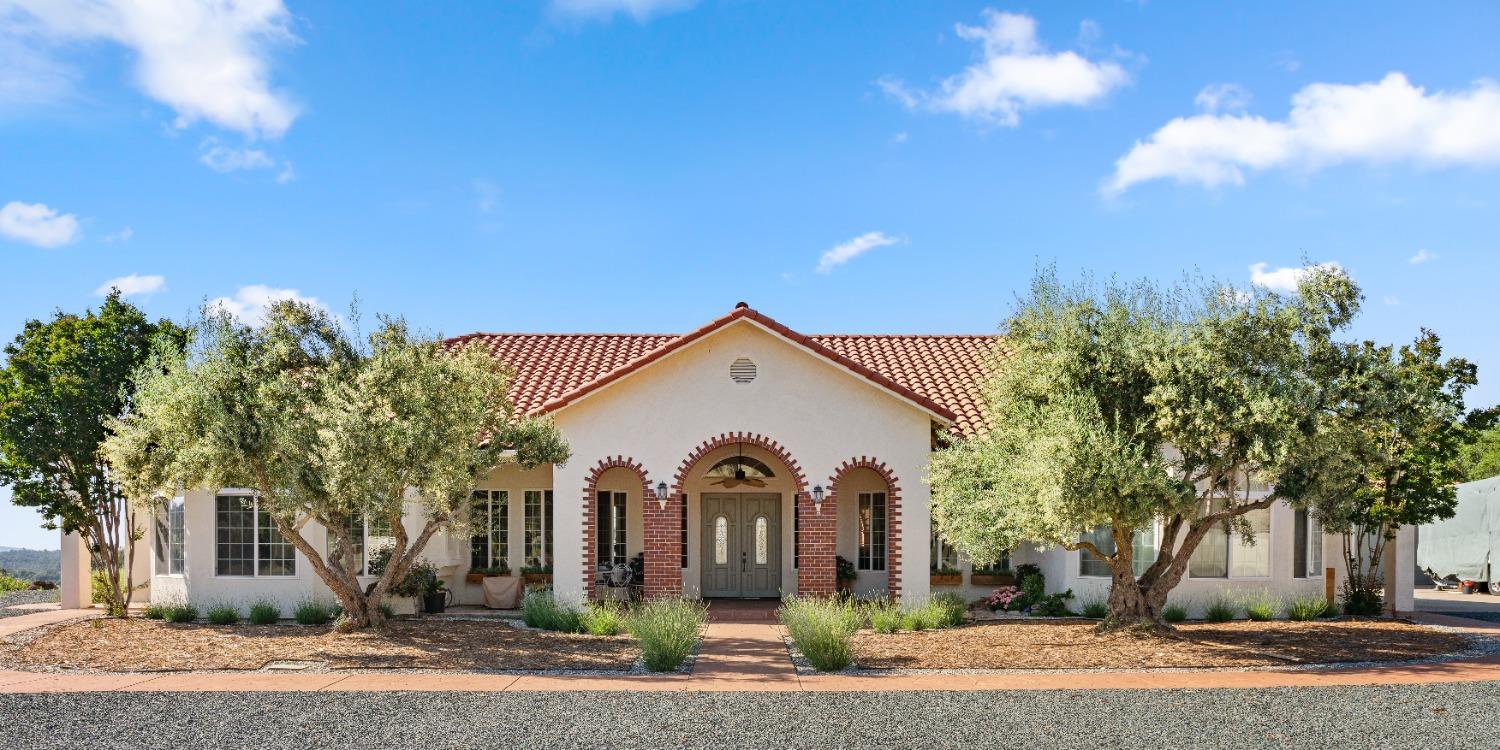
(1134, 607)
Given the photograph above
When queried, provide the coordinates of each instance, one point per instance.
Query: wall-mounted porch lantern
(661, 495)
(818, 499)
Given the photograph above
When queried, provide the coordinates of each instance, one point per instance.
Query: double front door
(741, 544)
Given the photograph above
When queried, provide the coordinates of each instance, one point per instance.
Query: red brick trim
(893, 508)
(656, 579)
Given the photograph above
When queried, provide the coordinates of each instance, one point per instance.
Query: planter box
(478, 578)
(532, 579)
(947, 579)
(991, 579)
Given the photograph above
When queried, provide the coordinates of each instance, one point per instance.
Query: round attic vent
(742, 371)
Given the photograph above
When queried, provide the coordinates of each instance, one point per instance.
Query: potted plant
(993, 577)
(946, 576)
(536, 574)
(422, 581)
(844, 574)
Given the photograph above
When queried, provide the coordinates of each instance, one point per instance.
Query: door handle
(743, 560)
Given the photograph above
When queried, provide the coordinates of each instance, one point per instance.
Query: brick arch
(893, 510)
(590, 495)
(727, 439)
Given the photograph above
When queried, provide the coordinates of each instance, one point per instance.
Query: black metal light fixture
(661, 495)
(818, 498)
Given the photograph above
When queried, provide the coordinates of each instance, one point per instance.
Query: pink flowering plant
(1006, 598)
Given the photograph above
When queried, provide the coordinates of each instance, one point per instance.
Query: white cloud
(640, 10)
(224, 159)
(847, 251)
(121, 236)
(206, 60)
(1422, 256)
(1015, 73)
(250, 303)
(1284, 279)
(36, 224)
(133, 285)
(1387, 121)
(1286, 61)
(1222, 97)
(901, 137)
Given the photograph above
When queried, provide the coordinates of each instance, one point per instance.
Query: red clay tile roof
(941, 373)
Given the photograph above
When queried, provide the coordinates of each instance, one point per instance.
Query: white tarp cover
(1467, 544)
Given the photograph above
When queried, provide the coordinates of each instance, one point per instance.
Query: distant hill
(32, 564)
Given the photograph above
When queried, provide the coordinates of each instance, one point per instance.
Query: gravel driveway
(1343, 717)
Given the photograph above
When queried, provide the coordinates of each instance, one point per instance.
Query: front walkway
(745, 656)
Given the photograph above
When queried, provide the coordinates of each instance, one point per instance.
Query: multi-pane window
(1307, 552)
(872, 524)
(1224, 553)
(246, 542)
(171, 531)
(1142, 551)
(609, 518)
(367, 536)
(944, 556)
(684, 533)
(489, 543)
(538, 520)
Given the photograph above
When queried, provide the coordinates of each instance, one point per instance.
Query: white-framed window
(609, 532)
(943, 553)
(1224, 553)
(1307, 550)
(538, 527)
(489, 540)
(367, 536)
(246, 542)
(1143, 548)
(171, 537)
(872, 525)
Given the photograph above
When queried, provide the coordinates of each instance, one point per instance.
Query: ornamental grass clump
(223, 613)
(667, 630)
(1306, 608)
(822, 629)
(1174, 613)
(947, 610)
(182, 613)
(1261, 606)
(885, 616)
(155, 611)
(314, 612)
(1220, 609)
(539, 609)
(1095, 608)
(264, 612)
(603, 618)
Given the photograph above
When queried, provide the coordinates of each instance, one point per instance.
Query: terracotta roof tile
(941, 372)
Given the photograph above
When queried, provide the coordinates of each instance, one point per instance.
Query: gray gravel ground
(1430, 716)
(23, 597)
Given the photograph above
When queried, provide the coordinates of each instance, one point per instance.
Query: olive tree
(1129, 405)
(330, 432)
(63, 380)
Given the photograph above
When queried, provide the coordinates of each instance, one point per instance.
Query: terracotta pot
(947, 579)
(991, 579)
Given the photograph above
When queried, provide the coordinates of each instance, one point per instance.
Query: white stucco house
(740, 459)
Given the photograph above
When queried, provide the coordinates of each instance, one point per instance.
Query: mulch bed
(1074, 645)
(136, 645)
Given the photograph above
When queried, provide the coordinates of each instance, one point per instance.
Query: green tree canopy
(63, 380)
(1482, 459)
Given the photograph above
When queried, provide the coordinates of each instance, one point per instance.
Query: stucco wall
(823, 415)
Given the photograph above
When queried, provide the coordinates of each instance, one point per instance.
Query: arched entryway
(622, 519)
(867, 500)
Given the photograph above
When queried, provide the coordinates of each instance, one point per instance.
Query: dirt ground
(137, 645)
(1073, 645)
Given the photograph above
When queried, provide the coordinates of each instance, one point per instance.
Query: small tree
(63, 380)
(1390, 454)
(330, 434)
(1134, 405)
(1482, 459)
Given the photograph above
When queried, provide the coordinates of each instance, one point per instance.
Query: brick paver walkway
(748, 655)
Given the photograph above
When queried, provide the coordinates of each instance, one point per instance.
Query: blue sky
(641, 165)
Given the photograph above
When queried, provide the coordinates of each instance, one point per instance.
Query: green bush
(947, 610)
(264, 612)
(667, 630)
(313, 612)
(539, 609)
(1095, 608)
(1220, 609)
(603, 618)
(10, 583)
(1362, 601)
(1033, 585)
(885, 616)
(1306, 608)
(182, 613)
(1261, 606)
(1053, 605)
(387, 611)
(822, 629)
(1174, 612)
(155, 611)
(916, 620)
(223, 614)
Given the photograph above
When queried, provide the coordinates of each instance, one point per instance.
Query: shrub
(1053, 605)
(1033, 584)
(1306, 608)
(1174, 612)
(1261, 606)
(387, 611)
(947, 610)
(313, 612)
(821, 628)
(1095, 608)
(843, 569)
(264, 612)
(182, 613)
(421, 578)
(885, 616)
(603, 618)
(1362, 601)
(155, 611)
(223, 614)
(667, 630)
(1220, 609)
(540, 610)
(10, 583)
(1005, 599)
